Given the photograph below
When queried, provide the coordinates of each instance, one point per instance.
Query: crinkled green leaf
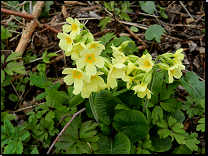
(24, 135)
(132, 123)
(157, 113)
(154, 31)
(11, 147)
(118, 145)
(86, 127)
(182, 149)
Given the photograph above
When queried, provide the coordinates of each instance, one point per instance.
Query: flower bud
(163, 66)
(133, 58)
(169, 60)
(167, 55)
(139, 76)
(104, 70)
(124, 44)
(84, 38)
(107, 62)
(90, 37)
(147, 78)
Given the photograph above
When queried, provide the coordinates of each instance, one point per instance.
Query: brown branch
(16, 13)
(135, 36)
(30, 27)
(51, 28)
(58, 58)
(63, 130)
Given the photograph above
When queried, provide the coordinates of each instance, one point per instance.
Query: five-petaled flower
(73, 27)
(178, 56)
(175, 71)
(95, 45)
(66, 41)
(142, 90)
(90, 59)
(76, 50)
(145, 62)
(77, 77)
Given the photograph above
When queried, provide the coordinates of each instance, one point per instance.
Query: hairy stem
(150, 86)
(93, 108)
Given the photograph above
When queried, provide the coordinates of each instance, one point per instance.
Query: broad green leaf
(107, 6)
(2, 75)
(118, 145)
(5, 34)
(106, 38)
(178, 127)
(104, 22)
(154, 31)
(122, 106)
(170, 105)
(19, 147)
(13, 97)
(132, 123)
(41, 67)
(171, 121)
(24, 135)
(157, 114)
(41, 96)
(178, 115)
(179, 138)
(193, 86)
(8, 71)
(16, 67)
(162, 124)
(7, 81)
(76, 100)
(170, 90)
(182, 149)
(105, 105)
(147, 6)
(55, 95)
(35, 150)
(36, 81)
(105, 129)
(160, 145)
(13, 56)
(11, 147)
(125, 16)
(52, 55)
(9, 128)
(2, 59)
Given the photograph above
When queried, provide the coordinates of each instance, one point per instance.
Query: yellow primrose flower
(119, 56)
(116, 71)
(130, 68)
(129, 80)
(95, 45)
(76, 49)
(66, 41)
(77, 77)
(178, 56)
(145, 62)
(142, 90)
(90, 59)
(116, 48)
(73, 27)
(175, 71)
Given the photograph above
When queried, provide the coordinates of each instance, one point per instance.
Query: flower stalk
(93, 108)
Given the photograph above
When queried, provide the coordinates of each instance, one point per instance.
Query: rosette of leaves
(78, 138)
(13, 137)
(193, 107)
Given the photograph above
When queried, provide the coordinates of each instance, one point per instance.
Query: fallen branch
(63, 130)
(30, 27)
(16, 13)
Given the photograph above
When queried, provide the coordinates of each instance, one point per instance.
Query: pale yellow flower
(116, 48)
(77, 77)
(178, 56)
(142, 90)
(66, 41)
(95, 45)
(129, 80)
(145, 62)
(90, 59)
(73, 27)
(116, 71)
(76, 50)
(175, 71)
(130, 68)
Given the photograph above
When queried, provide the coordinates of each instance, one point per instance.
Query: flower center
(77, 74)
(68, 40)
(74, 27)
(93, 45)
(90, 58)
(147, 64)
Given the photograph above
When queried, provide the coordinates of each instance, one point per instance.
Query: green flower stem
(150, 86)
(93, 108)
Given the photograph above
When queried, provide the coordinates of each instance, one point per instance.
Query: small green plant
(5, 34)
(46, 56)
(162, 13)
(13, 137)
(29, 56)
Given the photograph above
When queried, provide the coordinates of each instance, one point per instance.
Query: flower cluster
(136, 71)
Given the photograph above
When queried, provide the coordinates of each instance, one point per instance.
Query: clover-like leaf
(154, 31)
(147, 6)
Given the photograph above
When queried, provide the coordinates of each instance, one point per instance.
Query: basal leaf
(182, 149)
(170, 105)
(132, 123)
(13, 56)
(19, 147)
(154, 31)
(105, 105)
(36, 81)
(118, 145)
(157, 114)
